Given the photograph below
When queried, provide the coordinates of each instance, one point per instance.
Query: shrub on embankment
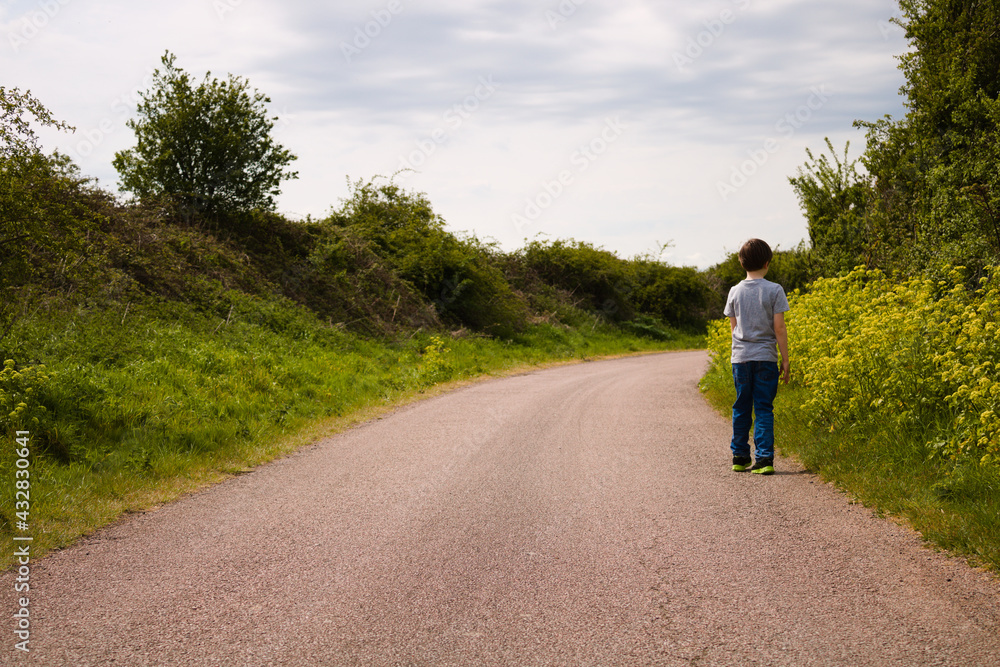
(895, 397)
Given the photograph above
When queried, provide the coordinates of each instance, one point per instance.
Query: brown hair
(754, 255)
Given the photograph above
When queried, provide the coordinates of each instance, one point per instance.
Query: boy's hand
(785, 371)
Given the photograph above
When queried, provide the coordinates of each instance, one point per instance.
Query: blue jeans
(756, 386)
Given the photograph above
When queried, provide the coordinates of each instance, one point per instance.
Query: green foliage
(17, 112)
(21, 396)
(207, 147)
(719, 339)
(833, 196)
(345, 280)
(793, 269)
(647, 327)
(618, 289)
(460, 277)
(932, 194)
(679, 296)
(383, 265)
(48, 219)
(39, 233)
(435, 366)
(595, 277)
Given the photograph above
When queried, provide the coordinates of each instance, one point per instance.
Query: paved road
(583, 515)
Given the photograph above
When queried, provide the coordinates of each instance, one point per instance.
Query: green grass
(891, 472)
(145, 404)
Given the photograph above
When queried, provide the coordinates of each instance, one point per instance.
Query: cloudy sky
(627, 124)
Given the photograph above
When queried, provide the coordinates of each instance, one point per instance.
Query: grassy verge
(140, 406)
(955, 507)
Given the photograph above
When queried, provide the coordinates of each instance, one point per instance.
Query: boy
(756, 309)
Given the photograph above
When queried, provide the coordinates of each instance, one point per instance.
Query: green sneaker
(741, 463)
(763, 467)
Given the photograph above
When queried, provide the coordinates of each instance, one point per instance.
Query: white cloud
(366, 111)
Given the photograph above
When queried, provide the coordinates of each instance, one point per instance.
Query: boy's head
(755, 255)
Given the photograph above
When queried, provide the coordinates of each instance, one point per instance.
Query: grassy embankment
(895, 400)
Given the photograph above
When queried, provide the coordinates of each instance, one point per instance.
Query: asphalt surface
(582, 515)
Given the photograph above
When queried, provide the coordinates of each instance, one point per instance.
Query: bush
(680, 296)
(596, 278)
(49, 236)
(21, 393)
(620, 290)
(460, 277)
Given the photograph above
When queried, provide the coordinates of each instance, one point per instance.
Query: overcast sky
(623, 123)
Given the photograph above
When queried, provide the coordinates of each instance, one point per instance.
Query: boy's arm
(732, 324)
(781, 333)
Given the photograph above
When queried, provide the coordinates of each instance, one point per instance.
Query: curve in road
(583, 515)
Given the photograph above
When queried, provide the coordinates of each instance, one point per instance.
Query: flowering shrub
(435, 366)
(20, 390)
(970, 370)
(720, 345)
(916, 357)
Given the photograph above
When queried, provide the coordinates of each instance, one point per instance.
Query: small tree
(209, 146)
